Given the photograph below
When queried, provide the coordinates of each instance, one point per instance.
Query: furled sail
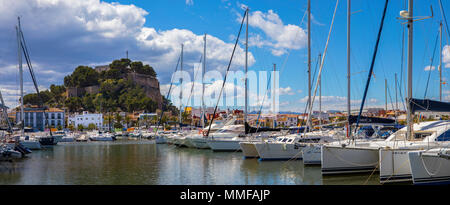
(370, 120)
(425, 105)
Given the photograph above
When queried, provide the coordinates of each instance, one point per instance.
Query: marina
(239, 120)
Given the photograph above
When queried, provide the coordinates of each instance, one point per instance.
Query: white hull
(394, 165)
(312, 154)
(249, 149)
(219, 145)
(429, 168)
(200, 143)
(339, 160)
(278, 151)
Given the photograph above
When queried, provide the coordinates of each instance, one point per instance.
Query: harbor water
(128, 162)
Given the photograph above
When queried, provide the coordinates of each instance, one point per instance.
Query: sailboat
(26, 141)
(390, 156)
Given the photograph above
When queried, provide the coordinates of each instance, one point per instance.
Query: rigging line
(168, 94)
(30, 68)
(431, 64)
(444, 17)
(193, 82)
(321, 63)
(262, 103)
(226, 73)
(373, 62)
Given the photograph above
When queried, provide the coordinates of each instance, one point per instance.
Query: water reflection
(144, 162)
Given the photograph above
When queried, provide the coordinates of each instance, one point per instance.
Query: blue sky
(62, 35)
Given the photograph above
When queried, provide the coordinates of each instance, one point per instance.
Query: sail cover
(249, 129)
(370, 120)
(424, 105)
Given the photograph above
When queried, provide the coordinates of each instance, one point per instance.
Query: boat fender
(343, 145)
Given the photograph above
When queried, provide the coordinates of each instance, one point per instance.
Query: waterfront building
(85, 119)
(34, 118)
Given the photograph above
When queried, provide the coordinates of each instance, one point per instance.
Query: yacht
(287, 147)
(394, 158)
(389, 156)
(100, 136)
(31, 143)
(430, 166)
(248, 148)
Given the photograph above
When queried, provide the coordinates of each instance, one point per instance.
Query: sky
(62, 34)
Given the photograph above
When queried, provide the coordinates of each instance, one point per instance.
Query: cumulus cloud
(189, 2)
(62, 34)
(446, 56)
(280, 37)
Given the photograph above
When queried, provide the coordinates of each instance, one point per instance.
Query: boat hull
(340, 160)
(429, 169)
(312, 155)
(279, 151)
(394, 166)
(249, 150)
(224, 145)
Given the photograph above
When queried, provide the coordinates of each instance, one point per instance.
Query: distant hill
(122, 85)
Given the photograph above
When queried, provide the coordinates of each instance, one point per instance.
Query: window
(284, 140)
(444, 136)
(290, 140)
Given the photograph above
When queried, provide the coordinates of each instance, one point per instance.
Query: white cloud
(285, 91)
(427, 68)
(446, 56)
(62, 34)
(189, 2)
(281, 37)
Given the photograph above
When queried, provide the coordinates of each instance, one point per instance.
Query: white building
(85, 119)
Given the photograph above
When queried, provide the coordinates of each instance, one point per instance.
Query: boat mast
(396, 99)
(320, 98)
(309, 61)
(19, 57)
(181, 85)
(349, 130)
(440, 62)
(246, 68)
(203, 83)
(273, 96)
(385, 95)
(409, 119)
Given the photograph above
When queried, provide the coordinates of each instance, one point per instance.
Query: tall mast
(410, 64)
(181, 85)
(309, 61)
(246, 68)
(440, 62)
(348, 67)
(396, 99)
(385, 95)
(320, 98)
(273, 94)
(19, 57)
(203, 84)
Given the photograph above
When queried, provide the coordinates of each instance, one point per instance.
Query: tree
(71, 127)
(83, 76)
(92, 126)
(80, 127)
